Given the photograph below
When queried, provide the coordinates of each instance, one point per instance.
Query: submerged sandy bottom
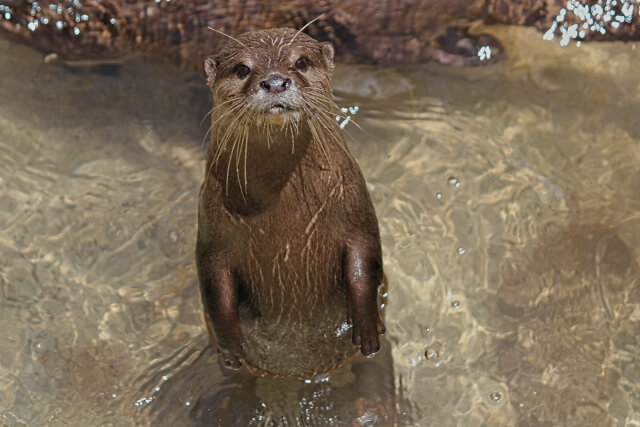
(508, 199)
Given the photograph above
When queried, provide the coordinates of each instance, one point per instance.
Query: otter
(288, 249)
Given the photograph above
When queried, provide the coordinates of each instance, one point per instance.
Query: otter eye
(242, 71)
(302, 64)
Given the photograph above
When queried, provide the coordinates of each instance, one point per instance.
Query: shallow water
(508, 199)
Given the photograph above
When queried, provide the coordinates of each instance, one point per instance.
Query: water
(508, 203)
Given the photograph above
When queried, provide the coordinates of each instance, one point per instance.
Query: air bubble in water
(431, 354)
(454, 181)
(496, 397)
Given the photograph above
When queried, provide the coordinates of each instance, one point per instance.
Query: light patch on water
(592, 17)
(344, 120)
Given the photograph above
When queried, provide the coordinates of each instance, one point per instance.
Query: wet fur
(288, 247)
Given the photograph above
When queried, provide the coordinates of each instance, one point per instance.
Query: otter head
(276, 72)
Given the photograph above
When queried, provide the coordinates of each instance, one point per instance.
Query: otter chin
(288, 248)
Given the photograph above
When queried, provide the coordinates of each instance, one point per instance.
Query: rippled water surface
(509, 205)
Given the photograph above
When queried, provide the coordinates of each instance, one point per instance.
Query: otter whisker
(231, 156)
(221, 143)
(214, 109)
(231, 128)
(244, 138)
(246, 148)
(239, 142)
(205, 137)
(315, 137)
(230, 110)
(305, 26)
(220, 146)
(227, 35)
(207, 114)
(326, 123)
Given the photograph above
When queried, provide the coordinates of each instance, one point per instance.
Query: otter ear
(328, 53)
(210, 69)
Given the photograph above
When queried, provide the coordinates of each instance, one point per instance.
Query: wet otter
(288, 248)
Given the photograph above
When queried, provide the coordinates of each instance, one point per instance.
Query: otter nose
(275, 84)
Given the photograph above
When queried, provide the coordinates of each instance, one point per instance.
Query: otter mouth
(277, 109)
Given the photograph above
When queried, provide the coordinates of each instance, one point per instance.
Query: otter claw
(232, 359)
(367, 337)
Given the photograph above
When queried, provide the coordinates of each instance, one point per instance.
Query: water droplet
(461, 251)
(187, 403)
(455, 304)
(164, 378)
(38, 348)
(439, 196)
(76, 31)
(484, 53)
(114, 396)
(431, 354)
(496, 397)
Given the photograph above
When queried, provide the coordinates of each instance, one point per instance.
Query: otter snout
(275, 84)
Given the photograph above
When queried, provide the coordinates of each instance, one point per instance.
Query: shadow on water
(565, 322)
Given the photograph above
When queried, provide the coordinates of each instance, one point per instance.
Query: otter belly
(294, 315)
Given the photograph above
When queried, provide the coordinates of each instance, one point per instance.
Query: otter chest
(292, 251)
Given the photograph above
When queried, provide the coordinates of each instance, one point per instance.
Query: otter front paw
(233, 358)
(366, 331)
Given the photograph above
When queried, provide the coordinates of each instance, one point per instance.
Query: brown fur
(288, 247)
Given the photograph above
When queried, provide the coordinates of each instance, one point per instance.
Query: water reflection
(360, 395)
